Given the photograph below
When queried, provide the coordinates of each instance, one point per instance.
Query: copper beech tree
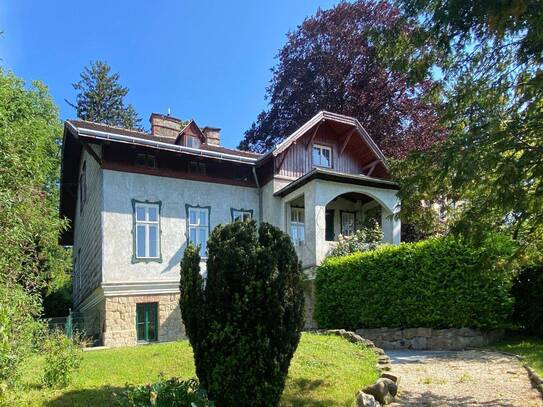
(336, 61)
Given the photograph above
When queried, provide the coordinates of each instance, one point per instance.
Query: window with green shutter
(147, 321)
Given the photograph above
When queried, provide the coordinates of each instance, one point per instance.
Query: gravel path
(468, 378)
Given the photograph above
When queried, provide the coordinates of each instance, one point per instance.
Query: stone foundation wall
(92, 322)
(120, 319)
(428, 338)
(309, 304)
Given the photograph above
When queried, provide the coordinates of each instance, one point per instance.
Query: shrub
(244, 322)
(367, 237)
(62, 359)
(18, 329)
(439, 283)
(165, 393)
(528, 293)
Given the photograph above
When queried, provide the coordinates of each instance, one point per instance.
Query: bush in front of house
(19, 328)
(165, 393)
(368, 236)
(437, 283)
(62, 359)
(244, 321)
(528, 293)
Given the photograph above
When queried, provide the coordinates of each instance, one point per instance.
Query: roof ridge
(109, 125)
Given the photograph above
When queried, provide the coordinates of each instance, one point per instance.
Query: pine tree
(100, 98)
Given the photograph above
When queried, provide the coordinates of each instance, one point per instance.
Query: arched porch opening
(348, 212)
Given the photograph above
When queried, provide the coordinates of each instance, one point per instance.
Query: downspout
(259, 196)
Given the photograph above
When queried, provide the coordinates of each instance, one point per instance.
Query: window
(83, 186)
(146, 321)
(147, 229)
(198, 227)
(322, 156)
(239, 215)
(146, 160)
(197, 168)
(193, 142)
(297, 225)
(347, 223)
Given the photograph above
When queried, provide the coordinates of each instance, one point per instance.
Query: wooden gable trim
(317, 127)
(370, 167)
(191, 129)
(347, 139)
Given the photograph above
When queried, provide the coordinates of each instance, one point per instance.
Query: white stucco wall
(120, 188)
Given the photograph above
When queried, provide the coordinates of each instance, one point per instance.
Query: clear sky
(206, 60)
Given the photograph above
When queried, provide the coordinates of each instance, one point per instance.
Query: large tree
(101, 98)
(30, 139)
(334, 62)
(488, 174)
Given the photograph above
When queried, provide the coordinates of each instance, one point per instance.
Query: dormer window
(192, 141)
(322, 156)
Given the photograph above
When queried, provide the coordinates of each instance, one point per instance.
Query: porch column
(321, 247)
(392, 228)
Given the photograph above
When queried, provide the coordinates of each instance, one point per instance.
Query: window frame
(322, 147)
(297, 224)
(242, 211)
(188, 207)
(341, 213)
(196, 138)
(146, 307)
(135, 222)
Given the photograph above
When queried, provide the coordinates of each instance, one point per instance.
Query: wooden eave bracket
(370, 167)
(310, 141)
(347, 139)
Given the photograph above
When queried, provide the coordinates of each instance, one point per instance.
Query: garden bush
(438, 283)
(62, 358)
(244, 321)
(173, 392)
(18, 331)
(528, 293)
(368, 236)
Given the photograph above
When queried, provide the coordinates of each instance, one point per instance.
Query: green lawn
(325, 371)
(529, 348)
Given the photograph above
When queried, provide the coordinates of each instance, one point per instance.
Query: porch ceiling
(328, 175)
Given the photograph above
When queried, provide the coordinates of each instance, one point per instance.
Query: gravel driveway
(467, 378)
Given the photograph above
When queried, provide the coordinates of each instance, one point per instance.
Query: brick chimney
(213, 135)
(165, 125)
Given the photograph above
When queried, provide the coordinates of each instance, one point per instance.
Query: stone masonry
(120, 319)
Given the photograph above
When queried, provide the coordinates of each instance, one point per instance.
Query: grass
(325, 371)
(531, 349)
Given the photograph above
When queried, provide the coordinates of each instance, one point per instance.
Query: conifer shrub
(244, 320)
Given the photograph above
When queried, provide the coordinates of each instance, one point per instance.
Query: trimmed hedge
(437, 283)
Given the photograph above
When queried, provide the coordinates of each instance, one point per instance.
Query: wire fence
(70, 324)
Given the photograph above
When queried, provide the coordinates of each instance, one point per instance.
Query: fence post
(68, 328)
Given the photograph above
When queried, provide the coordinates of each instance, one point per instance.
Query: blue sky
(206, 60)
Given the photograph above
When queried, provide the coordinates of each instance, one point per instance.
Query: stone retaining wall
(428, 338)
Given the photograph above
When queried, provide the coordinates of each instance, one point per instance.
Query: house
(135, 199)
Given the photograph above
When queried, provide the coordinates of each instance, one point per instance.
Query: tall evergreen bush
(243, 321)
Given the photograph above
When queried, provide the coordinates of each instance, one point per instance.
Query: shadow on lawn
(299, 394)
(101, 396)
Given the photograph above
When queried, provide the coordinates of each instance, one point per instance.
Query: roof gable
(191, 129)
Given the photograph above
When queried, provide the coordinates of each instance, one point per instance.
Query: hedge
(437, 283)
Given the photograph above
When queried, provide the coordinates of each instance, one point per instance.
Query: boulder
(365, 400)
(381, 392)
(388, 375)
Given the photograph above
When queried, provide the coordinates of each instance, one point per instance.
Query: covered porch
(323, 204)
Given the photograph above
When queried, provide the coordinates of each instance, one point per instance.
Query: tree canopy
(101, 98)
(333, 62)
(487, 175)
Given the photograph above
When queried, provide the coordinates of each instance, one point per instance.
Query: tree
(334, 61)
(101, 97)
(487, 175)
(30, 139)
(244, 322)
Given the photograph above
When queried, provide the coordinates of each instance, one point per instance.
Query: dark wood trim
(281, 161)
(370, 167)
(310, 141)
(92, 153)
(347, 139)
(159, 172)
